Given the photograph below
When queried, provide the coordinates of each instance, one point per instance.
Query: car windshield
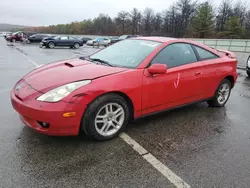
(127, 53)
(15, 33)
(57, 37)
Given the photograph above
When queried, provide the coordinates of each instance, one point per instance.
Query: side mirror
(157, 68)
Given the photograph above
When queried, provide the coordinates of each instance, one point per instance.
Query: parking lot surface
(205, 147)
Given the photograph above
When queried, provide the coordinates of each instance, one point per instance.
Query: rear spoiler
(228, 53)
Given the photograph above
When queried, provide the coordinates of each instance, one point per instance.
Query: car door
(71, 41)
(63, 41)
(210, 78)
(180, 85)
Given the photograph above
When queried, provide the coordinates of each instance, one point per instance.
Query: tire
(76, 45)
(51, 45)
(218, 100)
(13, 40)
(93, 129)
(248, 73)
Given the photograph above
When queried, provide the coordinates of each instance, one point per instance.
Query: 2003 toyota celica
(100, 93)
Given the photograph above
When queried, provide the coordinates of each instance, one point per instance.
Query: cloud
(47, 12)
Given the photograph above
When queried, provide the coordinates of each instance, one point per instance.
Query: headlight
(58, 93)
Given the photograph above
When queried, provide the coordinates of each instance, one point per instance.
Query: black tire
(88, 119)
(76, 45)
(51, 45)
(13, 40)
(248, 73)
(214, 101)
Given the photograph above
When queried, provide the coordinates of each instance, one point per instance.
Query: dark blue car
(62, 41)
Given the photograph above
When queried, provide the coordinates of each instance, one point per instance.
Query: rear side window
(204, 54)
(175, 55)
(64, 38)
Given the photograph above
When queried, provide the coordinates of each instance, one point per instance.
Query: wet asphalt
(206, 147)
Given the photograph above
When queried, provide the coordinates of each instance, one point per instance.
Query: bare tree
(186, 9)
(135, 16)
(247, 24)
(157, 24)
(240, 10)
(121, 19)
(148, 16)
(224, 12)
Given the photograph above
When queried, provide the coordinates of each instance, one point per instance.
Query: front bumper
(33, 111)
(42, 44)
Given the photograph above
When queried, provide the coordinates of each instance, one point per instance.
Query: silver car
(100, 41)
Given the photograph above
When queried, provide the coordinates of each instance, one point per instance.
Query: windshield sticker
(149, 44)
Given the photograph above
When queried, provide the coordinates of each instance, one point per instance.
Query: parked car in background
(101, 93)
(114, 39)
(18, 36)
(123, 37)
(37, 37)
(6, 34)
(62, 41)
(100, 41)
(248, 66)
(85, 39)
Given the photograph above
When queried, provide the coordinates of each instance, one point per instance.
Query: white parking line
(24, 55)
(164, 170)
(30, 60)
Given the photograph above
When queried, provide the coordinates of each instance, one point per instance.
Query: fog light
(43, 124)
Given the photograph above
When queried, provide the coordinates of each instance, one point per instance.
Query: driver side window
(175, 55)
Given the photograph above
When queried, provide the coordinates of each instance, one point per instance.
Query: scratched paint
(176, 83)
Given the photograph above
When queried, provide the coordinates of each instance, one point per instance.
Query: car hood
(56, 74)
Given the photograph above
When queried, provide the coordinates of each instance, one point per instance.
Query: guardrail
(235, 45)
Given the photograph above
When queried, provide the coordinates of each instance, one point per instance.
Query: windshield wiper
(101, 61)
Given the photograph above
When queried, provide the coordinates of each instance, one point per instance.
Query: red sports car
(100, 93)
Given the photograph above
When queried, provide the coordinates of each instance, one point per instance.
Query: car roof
(170, 40)
(157, 39)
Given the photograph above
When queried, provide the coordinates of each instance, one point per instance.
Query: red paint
(148, 92)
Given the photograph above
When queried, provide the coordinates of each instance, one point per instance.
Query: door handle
(198, 73)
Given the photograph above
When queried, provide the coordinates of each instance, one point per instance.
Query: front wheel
(106, 117)
(248, 73)
(51, 45)
(222, 94)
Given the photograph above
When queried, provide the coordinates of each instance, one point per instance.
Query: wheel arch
(231, 79)
(123, 95)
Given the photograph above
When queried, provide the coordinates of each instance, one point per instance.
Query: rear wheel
(221, 95)
(106, 117)
(51, 45)
(76, 45)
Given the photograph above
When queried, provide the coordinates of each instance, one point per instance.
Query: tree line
(184, 18)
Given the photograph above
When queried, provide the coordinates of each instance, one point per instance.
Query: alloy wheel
(109, 119)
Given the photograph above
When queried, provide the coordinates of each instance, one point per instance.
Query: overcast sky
(47, 12)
